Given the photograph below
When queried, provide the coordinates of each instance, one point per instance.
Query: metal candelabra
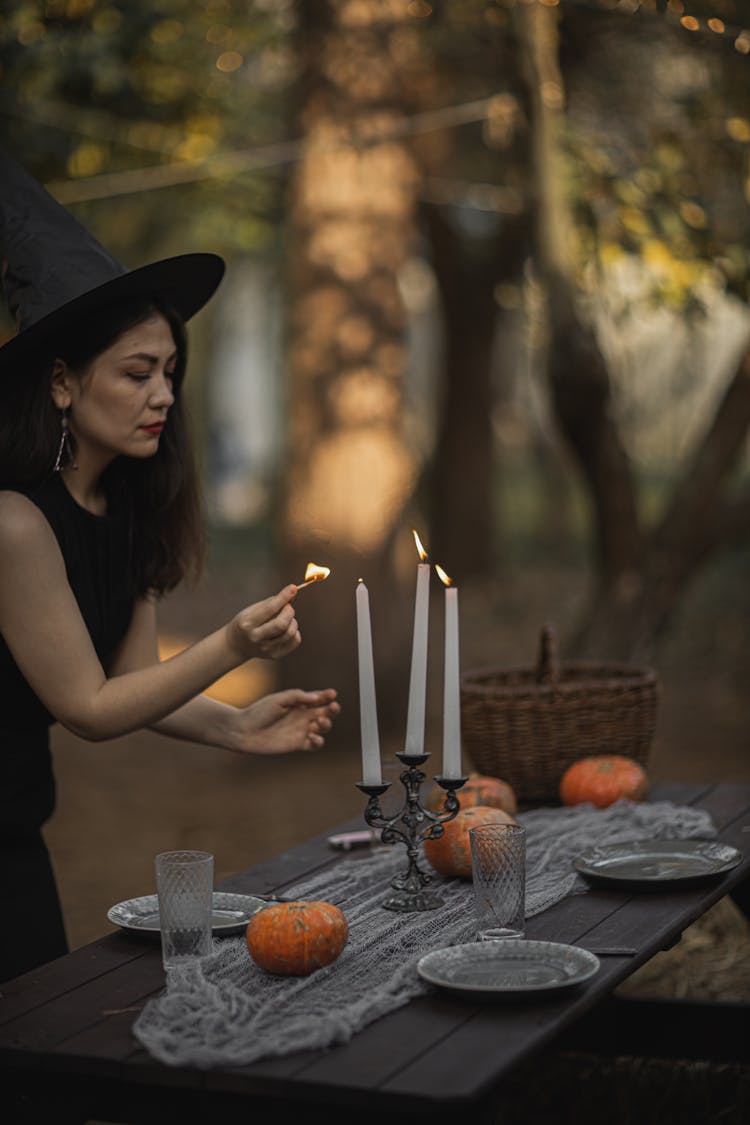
(411, 825)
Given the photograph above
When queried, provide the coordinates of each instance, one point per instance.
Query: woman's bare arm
(43, 627)
(282, 721)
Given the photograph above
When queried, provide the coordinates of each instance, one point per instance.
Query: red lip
(156, 428)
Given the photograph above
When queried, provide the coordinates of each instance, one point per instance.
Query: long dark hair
(159, 495)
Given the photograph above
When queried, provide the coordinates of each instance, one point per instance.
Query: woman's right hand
(267, 629)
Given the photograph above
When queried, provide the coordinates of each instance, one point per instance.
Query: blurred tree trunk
(349, 471)
(478, 237)
(642, 574)
(464, 523)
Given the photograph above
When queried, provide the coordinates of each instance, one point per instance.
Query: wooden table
(65, 1028)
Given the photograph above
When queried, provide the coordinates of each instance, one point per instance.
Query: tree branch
(576, 369)
(696, 498)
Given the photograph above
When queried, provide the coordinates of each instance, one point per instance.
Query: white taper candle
(414, 743)
(368, 716)
(451, 689)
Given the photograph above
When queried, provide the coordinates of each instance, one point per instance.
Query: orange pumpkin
(450, 854)
(296, 938)
(602, 780)
(479, 790)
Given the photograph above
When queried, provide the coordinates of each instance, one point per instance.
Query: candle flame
(444, 578)
(422, 553)
(314, 573)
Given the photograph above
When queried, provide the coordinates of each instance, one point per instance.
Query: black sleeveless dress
(96, 554)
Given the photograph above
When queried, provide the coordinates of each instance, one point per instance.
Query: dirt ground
(122, 802)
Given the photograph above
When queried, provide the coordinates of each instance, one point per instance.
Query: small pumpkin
(450, 854)
(296, 938)
(479, 790)
(602, 780)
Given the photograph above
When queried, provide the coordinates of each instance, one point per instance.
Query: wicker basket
(527, 725)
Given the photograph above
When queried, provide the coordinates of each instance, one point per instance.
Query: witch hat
(54, 271)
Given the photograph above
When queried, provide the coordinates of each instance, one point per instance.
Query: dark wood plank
(280, 871)
(263, 1075)
(109, 1041)
(726, 804)
(373, 1055)
(574, 917)
(63, 1016)
(36, 988)
(680, 792)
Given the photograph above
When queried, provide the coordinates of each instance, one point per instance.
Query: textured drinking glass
(498, 866)
(184, 885)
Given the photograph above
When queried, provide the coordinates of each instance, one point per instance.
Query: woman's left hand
(285, 721)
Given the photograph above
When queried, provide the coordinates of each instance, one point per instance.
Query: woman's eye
(138, 378)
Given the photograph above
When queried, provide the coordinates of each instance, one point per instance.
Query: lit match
(314, 573)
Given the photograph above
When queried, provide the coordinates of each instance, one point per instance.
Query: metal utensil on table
(610, 950)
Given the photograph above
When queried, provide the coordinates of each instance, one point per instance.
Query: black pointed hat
(54, 271)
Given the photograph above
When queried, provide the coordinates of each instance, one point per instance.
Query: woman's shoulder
(22, 523)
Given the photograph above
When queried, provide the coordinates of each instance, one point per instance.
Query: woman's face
(119, 405)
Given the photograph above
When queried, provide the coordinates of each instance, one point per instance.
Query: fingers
(297, 697)
(270, 607)
(322, 722)
(325, 700)
(326, 712)
(289, 720)
(323, 709)
(270, 628)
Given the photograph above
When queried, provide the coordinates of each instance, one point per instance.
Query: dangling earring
(64, 449)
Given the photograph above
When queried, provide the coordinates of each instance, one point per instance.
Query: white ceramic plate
(646, 864)
(231, 913)
(507, 966)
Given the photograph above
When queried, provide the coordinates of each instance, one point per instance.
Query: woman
(99, 517)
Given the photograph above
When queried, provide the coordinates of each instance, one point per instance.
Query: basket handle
(548, 663)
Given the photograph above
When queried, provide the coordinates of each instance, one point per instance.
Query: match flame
(314, 573)
(444, 578)
(422, 553)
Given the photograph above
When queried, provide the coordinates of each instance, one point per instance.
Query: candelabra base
(407, 901)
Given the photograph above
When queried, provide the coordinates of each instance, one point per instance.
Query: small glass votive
(184, 885)
(498, 865)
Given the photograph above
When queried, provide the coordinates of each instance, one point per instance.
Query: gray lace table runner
(226, 1011)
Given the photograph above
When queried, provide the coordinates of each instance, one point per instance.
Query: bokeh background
(487, 278)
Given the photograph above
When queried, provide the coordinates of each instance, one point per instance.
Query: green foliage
(658, 135)
(657, 132)
(92, 87)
